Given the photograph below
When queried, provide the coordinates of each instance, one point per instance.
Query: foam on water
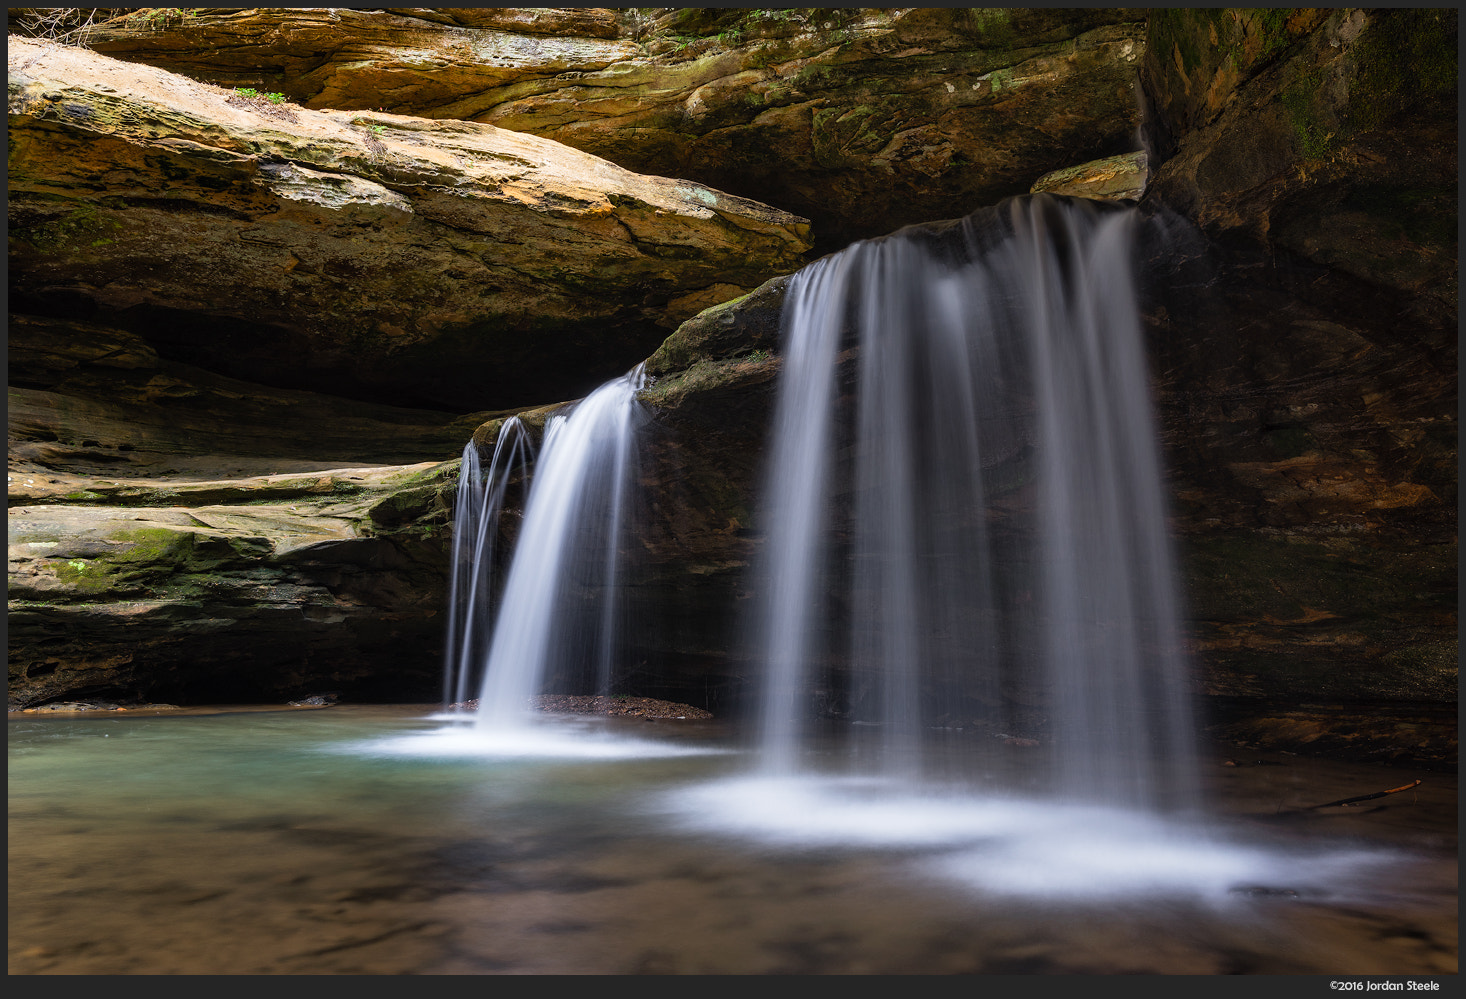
(1010, 845)
(555, 738)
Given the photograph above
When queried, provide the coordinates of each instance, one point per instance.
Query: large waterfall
(964, 539)
(967, 631)
(964, 511)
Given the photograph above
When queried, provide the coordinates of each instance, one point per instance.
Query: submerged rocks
(426, 263)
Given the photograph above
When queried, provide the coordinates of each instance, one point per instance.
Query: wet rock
(1115, 178)
(1263, 891)
(618, 706)
(314, 701)
(76, 706)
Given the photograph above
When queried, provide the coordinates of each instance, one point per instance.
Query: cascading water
(559, 610)
(558, 625)
(965, 538)
(471, 597)
(995, 545)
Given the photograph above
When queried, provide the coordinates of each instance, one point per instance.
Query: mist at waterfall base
(964, 564)
(555, 621)
(972, 752)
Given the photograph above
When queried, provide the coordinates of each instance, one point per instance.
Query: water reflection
(309, 842)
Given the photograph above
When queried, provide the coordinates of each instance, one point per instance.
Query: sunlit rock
(862, 119)
(428, 263)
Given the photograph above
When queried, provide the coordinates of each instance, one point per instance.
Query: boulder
(1114, 178)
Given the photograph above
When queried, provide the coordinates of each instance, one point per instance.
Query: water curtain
(478, 503)
(964, 519)
(558, 619)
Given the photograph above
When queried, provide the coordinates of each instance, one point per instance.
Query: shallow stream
(375, 840)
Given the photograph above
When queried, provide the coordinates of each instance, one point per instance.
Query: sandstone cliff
(377, 236)
(862, 119)
(387, 256)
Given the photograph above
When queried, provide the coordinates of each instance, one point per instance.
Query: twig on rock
(1346, 802)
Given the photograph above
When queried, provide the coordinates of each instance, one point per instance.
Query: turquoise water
(377, 840)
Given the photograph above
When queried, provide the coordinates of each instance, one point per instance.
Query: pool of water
(379, 840)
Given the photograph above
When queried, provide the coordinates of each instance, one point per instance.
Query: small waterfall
(471, 597)
(965, 526)
(558, 620)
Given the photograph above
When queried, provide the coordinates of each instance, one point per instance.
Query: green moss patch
(1407, 56)
(80, 228)
(152, 557)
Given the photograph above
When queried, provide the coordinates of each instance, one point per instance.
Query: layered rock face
(245, 589)
(387, 256)
(192, 265)
(184, 536)
(862, 119)
(212, 290)
(1307, 358)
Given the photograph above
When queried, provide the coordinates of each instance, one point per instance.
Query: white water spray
(997, 535)
(559, 609)
(471, 597)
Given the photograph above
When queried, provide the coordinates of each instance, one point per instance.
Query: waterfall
(558, 619)
(967, 599)
(964, 520)
(964, 525)
(478, 502)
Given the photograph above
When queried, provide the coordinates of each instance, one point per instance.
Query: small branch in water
(1346, 802)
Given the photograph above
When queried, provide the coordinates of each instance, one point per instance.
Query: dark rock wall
(1305, 339)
